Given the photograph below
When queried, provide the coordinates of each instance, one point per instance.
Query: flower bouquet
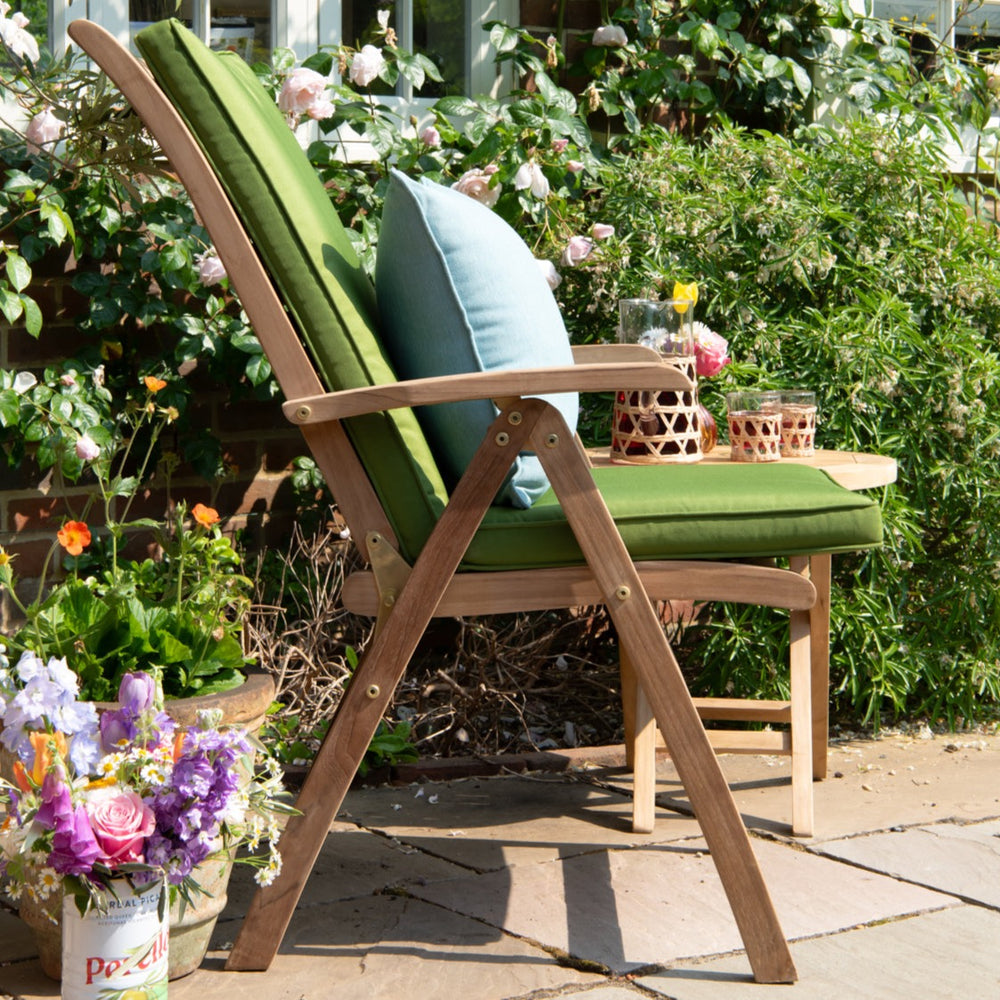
(107, 807)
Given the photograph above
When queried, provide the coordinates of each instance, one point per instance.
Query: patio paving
(510, 887)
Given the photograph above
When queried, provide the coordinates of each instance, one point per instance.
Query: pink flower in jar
(121, 822)
(710, 350)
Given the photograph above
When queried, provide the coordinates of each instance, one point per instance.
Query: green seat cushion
(305, 248)
(459, 291)
(691, 512)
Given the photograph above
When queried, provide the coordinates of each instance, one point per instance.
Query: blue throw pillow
(459, 291)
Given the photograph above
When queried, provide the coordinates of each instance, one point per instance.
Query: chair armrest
(648, 375)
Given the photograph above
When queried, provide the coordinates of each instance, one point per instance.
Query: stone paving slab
(351, 863)
(627, 909)
(379, 947)
(962, 860)
(491, 823)
(872, 785)
(16, 939)
(947, 955)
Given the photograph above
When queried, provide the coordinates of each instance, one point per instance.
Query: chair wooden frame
(407, 597)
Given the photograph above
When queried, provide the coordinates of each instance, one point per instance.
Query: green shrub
(847, 262)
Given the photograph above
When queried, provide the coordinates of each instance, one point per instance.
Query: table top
(854, 470)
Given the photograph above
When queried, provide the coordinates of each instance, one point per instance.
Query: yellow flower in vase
(684, 296)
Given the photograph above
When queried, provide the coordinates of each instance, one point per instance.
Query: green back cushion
(304, 246)
(459, 291)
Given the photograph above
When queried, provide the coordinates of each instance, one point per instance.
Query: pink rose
(710, 350)
(210, 269)
(42, 130)
(552, 277)
(578, 249)
(602, 231)
(121, 822)
(303, 92)
(87, 448)
(431, 137)
(559, 145)
(19, 41)
(476, 184)
(574, 166)
(366, 65)
(530, 175)
(610, 35)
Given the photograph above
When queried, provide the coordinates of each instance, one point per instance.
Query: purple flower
(56, 810)
(117, 726)
(137, 693)
(74, 847)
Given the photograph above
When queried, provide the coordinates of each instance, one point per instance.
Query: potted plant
(177, 614)
(121, 809)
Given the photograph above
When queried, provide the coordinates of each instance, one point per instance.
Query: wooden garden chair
(622, 537)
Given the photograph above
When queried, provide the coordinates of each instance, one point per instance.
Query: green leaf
(411, 68)
(57, 222)
(258, 369)
(10, 408)
(11, 305)
(504, 38)
(32, 315)
(729, 19)
(459, 106)
(706, 39)
(801, 78)
(18, 182)
(773, 66)
(18, 271)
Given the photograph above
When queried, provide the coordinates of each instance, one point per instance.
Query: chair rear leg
(643, 742)
(802, 730)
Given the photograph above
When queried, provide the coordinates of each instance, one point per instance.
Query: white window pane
(241, 25)
(436, 28)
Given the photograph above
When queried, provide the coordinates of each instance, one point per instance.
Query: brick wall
(258, 443)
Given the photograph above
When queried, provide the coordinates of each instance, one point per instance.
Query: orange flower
(205, 516)
(47, 746)
(154, 384)
(74, 537)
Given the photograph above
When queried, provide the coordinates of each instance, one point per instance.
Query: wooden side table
(854, 471)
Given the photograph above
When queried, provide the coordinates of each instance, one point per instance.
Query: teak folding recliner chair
(622, 537)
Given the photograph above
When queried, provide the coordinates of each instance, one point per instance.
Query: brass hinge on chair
(391, 571)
